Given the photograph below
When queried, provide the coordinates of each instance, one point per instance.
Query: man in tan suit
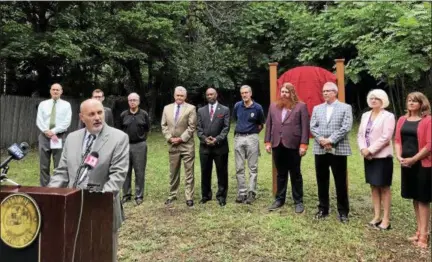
(178, 127)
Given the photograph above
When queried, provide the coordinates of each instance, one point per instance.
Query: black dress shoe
(138, 201)
(250, 198)
(125, 199)
(204, 200)
(321, 214)
(169, 201)
(276, 205)
(240, 199)
(189, 203)
(343, 218)
(222, 202)
(299, 208)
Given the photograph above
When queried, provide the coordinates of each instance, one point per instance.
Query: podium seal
(20, 220)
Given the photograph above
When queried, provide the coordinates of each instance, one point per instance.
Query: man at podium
(109, 146)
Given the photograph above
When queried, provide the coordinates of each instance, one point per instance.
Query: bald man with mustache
(111, 144)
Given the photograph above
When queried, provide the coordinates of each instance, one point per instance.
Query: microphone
(16, 152)
(89, 163)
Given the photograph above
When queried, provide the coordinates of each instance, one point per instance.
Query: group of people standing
(412, 139)
(288, 128)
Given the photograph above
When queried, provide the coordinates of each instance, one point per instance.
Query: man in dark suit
(287, 135)
(212, 128)
(98, 94)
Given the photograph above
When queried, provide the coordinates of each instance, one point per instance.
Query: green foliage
(136, 45)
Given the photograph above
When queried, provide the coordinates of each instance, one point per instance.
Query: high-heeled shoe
(423, 240)
(379, 227)
(373, 225)
(415, 237)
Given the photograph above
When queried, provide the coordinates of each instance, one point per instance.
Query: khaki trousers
(176, 155)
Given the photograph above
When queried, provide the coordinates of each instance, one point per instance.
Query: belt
(245, 134)
(136, 142)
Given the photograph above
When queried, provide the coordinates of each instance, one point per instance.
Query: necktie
(177, 114)
(90, 139)
(53, 115)
(211, 112)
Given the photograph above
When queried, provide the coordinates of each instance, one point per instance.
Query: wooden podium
(60, 215)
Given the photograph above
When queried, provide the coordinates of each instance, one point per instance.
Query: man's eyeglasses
(133, 100)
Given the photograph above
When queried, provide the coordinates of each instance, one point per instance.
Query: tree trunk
(135, 73)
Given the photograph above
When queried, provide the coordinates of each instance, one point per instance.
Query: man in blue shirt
(250, 121)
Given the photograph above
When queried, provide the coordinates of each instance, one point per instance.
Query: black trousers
(221, 162)
(288, 160)
(338, 165)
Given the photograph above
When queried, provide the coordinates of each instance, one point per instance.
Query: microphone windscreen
(92, 159)
(24, 146)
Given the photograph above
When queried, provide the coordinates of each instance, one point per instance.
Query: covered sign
(308, 82)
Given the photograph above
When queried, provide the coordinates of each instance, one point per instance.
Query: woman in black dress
(413, 150)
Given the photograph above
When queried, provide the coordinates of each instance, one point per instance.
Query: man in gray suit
(213, 126)
(330, 124)
(98, 94)
(113, 162)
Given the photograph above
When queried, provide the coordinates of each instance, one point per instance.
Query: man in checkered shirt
(330, 124)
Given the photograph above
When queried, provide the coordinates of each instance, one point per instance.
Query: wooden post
(340, 76)
(273, 93)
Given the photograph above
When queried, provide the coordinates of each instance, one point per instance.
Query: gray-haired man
(330, 125)
(135, 123)
(250, 121)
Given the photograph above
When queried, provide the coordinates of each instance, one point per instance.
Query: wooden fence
(18, 119)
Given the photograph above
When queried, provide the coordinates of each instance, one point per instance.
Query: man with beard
(135, 123)
(212, 128)
(113, 148)
(287, 135)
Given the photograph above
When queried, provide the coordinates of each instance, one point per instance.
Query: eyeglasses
(328, 91)
(133, 100)
(374, 98)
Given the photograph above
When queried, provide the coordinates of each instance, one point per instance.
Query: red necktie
(211, 112)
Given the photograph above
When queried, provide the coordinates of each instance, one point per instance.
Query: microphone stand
(4, 178)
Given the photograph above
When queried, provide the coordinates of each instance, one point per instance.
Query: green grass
(236, 232)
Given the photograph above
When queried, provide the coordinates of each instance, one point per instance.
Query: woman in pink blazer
(413, 145)
(374, 140)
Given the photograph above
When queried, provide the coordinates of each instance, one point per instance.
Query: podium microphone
(16, 152)
(89, 163)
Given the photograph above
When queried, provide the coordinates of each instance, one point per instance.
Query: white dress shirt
(214, 109)
(62, 119)
(86, 137)
(176, 106)
(329, 110)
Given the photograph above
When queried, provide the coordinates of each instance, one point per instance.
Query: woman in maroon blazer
(287, 135)
(413, 150)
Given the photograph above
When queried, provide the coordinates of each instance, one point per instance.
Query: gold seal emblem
(20, 220)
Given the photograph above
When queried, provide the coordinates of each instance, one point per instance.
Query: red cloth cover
(308, 82)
